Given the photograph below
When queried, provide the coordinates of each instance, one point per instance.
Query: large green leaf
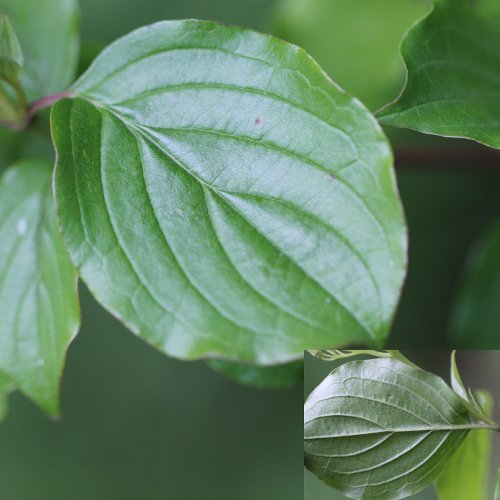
(465, 475)
(356, 41)
(475, 318)
(39, 312)
(222, 196)
(381, 428)
(262, 377)
(48, 32)
(453, 85)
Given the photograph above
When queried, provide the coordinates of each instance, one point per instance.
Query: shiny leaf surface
(223, 197)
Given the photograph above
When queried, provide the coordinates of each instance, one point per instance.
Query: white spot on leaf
(22, 225)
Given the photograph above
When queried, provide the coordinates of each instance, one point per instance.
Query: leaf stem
(45, 102)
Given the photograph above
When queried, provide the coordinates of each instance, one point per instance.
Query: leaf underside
(381, 428)
(39, 311)
(453, 81)
(223, 197)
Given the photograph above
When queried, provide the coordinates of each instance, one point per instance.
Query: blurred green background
(139, 425)
(479, 370)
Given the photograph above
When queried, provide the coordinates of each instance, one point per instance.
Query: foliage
(453, 65)
(215, 189)
(385, 428)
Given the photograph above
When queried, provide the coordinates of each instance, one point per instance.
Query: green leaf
(39, 312)
(10, 47)
(453, 83)
(48, 32)
(497, 487)
(11, 62)
(262, 377)
(475, 317)
(465, 475)
(456, 380)
(356, 41)
(224, 198)
(5, 388)
(381, 428)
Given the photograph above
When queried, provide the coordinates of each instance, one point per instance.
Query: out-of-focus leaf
(356, 41)
(453, 84)
(48, 32)
(11, 62)
(5, 388)
(10, 50)
(224, 198)
(381, 428)
(497, 487)
(475, 318)
(39, 311)
(465, 475)
(265, 377)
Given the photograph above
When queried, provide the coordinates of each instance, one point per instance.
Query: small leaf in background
(465, 475)
(11, 54)
(381, 428)
(453, 65)
(475, 318)
(48, 33)
(456, 380)
(11, 62)
(356, 41)
(39, 311)
(224, 198)
(261, 377)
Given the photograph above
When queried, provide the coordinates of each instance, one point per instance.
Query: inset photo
(391, 424)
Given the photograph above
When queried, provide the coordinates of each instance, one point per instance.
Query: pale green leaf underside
(465, 475)
(381, 428)
(453, 84)
(48, 32)
(475, 318)
(261, 377)
(223, 197)
(39, 312)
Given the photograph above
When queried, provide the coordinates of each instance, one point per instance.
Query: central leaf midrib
(137, 129)
(220, 194)
(385, 430)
